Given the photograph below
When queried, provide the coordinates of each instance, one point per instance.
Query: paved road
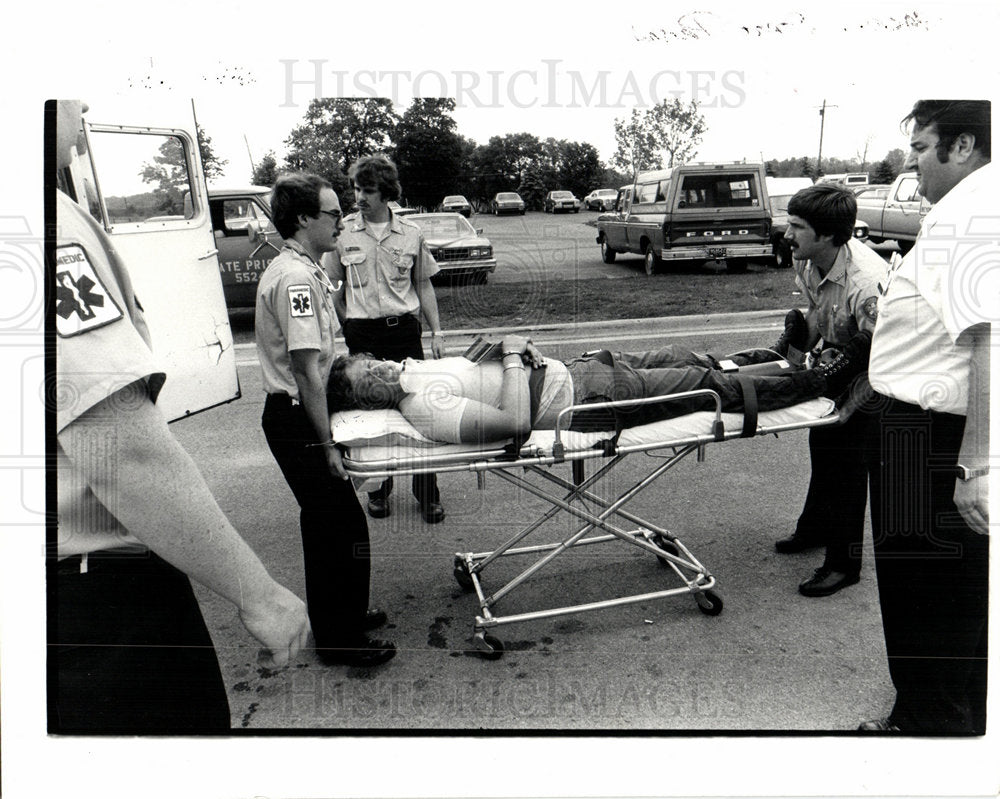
(771, 661)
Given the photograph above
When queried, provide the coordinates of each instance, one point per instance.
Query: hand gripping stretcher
(382, 443)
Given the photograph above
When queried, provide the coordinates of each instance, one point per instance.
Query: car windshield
(455, 198)
(444, 226)
(562, 195)
(508, 196)
(779, 204)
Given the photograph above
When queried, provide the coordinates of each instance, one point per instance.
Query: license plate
(717, 252)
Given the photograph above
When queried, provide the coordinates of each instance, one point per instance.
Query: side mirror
(254, 232)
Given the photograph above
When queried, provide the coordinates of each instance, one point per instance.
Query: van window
(719, 191)
(145, 177)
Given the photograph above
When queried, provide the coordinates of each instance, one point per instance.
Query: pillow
(376, 428)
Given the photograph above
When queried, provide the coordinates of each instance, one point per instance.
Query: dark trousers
(392, 342)
(129, 652)
(834, 510)
(932, 573)
(669, 371)
(335, 547)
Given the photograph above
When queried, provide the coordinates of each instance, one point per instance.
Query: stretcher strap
(749, 405)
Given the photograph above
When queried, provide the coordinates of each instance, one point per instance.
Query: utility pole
(822, 120)
(253, 167)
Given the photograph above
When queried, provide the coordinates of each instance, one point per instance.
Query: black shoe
(378, 507)
(795, 543)
(842, 370)
(432, 512)
(795, 333)
(825, 582)
(878, 725)
(366, 653)
(374, 618)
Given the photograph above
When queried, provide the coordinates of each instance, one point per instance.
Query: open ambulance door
(144, 183)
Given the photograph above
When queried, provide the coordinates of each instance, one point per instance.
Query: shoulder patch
(300, 302)
(870, 308)
(82, 300)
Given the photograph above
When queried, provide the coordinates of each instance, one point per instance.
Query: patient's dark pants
(670, 371)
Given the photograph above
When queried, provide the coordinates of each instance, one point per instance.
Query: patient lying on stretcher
(457, 400)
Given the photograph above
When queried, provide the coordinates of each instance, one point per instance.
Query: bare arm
(972, 496)
(157, 493)
(429, 309)
(312, 395)
(513, 418)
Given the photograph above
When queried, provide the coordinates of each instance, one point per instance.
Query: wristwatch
(964, 473)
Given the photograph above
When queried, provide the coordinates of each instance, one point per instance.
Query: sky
(760, 72)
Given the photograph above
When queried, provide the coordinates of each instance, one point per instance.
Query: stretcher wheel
(489, 647)
(462, 576)
(666, 546)
(709, 603)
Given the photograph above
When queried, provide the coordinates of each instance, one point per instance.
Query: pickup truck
(897, 216)
(701, 212)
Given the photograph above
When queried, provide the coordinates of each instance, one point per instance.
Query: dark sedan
(456, 203)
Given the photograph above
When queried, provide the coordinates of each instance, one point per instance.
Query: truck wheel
(875, 239)
(904, 246)
(782, 254)
(651, 261)
(607, 253)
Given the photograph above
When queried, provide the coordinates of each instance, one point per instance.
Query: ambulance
(141, 178)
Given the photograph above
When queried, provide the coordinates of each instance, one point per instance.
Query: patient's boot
(845, 368)
(794, 335)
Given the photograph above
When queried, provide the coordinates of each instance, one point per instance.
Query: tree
(335, 132)
(213, 166)
(266, 172)
(428, 151)
(533, 188)
(500, 164)
(580, 170)
(634, 148)
(669, 128)
(676, 129)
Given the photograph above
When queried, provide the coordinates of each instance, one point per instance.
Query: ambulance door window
(144, 178)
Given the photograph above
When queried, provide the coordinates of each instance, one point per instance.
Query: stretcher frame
(696, 579)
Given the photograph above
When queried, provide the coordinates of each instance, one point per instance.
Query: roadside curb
(660, 324)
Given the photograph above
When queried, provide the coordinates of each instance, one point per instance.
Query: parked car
(401, 210)
(507, 202)
(714, 211)
(458, 204)
(245, 237)
(556, 201)
(779, 224)
(897, 215)
(600, 200)
(459, 249)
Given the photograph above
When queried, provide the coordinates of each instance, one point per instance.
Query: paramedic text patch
(300, 301)
(82, 301)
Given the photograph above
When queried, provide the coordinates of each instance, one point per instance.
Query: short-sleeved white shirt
(102, 345)
(947, 283)
(294, 311)
(440, 392)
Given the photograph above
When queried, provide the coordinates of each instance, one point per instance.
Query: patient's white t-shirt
(440, 392)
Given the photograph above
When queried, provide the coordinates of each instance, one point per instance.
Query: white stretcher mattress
(380, 436)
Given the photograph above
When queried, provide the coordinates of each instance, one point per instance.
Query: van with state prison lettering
(246, 238)
(706, 212)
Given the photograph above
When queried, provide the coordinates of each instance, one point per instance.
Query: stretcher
(377, 444)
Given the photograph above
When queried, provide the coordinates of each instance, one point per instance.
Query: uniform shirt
(439, 393)
(380, 272)
(294, 311)
(844, 301)
(947, 283)
(102, 345)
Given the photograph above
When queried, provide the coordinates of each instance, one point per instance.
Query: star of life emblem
(300, 302)
(82, 301)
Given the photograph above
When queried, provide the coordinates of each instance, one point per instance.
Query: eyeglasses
(335, 215)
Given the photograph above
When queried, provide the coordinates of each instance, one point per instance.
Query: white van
(142, 180)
